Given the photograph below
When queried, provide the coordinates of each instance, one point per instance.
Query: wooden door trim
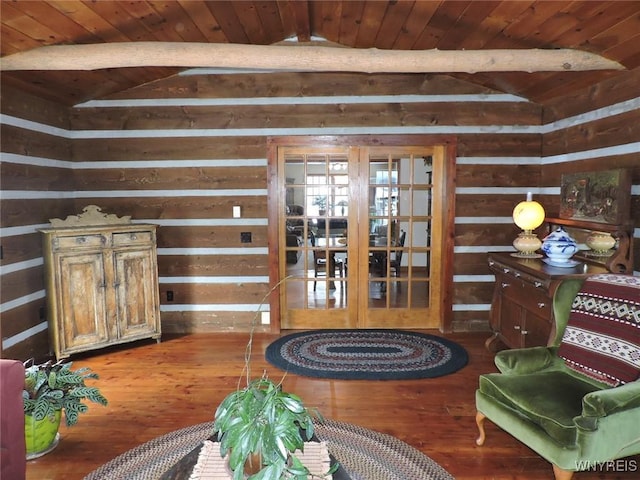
(274, 193)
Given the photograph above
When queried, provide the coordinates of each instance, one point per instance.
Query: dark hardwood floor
(157, 388)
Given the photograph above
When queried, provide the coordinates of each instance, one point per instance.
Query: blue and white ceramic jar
(559, 246)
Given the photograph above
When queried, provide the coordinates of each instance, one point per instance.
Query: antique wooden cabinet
(522, 310)
(101, 281)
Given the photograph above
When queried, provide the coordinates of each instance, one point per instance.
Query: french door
(360, 235)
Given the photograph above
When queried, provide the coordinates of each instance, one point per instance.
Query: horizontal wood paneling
(160, 189)
(214, 293)
(213, 265)
(17, 103)
(210, 237)
(21, 283)
(27, 142)
(171, 178)
(296, 84)
(34, 177)
(306, 116)
(20, 248)
(27, 211)
(503, 175)
(616, 130)
(178, 207)
(21, 318)
(168, 148)
(623, 87)
(207, 322)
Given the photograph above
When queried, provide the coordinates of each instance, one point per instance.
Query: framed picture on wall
(603, 196)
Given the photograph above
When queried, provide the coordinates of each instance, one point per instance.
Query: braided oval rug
(367, 354)
(364, 454)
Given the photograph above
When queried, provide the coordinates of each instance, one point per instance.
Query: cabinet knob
(504, 284)
(491, 263)
(134, 236)
(537, 284)
(81, 240)
(524, 332)
(541, 304)
(505, 270)
(516, 327)
(516, 274)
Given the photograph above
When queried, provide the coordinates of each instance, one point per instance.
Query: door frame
(275, 192)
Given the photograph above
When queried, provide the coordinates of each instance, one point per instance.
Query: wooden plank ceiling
(608, 28)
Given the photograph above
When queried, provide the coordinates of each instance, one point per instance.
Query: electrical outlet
(169, 295)
(245, 237)
(264, 318)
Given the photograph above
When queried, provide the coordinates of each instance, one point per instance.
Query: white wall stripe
(483, 248)
(595, 153)
(473, 278)
(22, 336)
(475, 220)
(18, 302)
(593, 115)
(21, 230)
(214, 251)
(498, 160)
(311, 100)
(496, 190)
(33, 194)
(477, 307)
(19, 266)
(165, 163)
(208, 222)
(248, 307)
(212, 280)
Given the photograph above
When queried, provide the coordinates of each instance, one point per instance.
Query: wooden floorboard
(157, 388)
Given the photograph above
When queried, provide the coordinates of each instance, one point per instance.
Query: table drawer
(131, 238)
(80, 241)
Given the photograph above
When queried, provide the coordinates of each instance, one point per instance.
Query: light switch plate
(236, 211)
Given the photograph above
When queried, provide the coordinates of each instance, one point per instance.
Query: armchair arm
(611, 400)
(526, 360)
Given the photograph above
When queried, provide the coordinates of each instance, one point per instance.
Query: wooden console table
(521, 309)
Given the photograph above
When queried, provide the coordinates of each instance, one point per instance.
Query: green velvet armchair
(575, 402)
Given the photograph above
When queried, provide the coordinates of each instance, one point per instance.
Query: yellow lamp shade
(529, 214)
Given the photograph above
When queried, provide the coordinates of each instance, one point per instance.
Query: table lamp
(528, 215)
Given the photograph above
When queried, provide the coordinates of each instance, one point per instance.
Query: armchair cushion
(601, 337)
(549, 399)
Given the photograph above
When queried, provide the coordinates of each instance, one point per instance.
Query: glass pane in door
(317, 184)
(399, 225)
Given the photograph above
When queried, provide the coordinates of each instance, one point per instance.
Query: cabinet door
(136, 292)
(82, 301)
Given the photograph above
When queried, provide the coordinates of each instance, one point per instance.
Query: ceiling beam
(300, 58)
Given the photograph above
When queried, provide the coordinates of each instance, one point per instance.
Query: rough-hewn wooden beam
(300, 58)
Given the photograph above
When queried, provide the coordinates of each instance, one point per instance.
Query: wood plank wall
(181, 152)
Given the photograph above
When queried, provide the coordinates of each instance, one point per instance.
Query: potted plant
(49, 389)
(261, 427)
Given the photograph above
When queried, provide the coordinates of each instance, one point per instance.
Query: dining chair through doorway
(321, 262)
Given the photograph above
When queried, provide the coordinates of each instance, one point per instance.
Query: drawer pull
(491, 263)
(505, 270)
(134, 236)
(516, 274)
(81, 240)
(516, 327)
(541, 304)
(524, 332)
(537, 284)
(504, 284)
